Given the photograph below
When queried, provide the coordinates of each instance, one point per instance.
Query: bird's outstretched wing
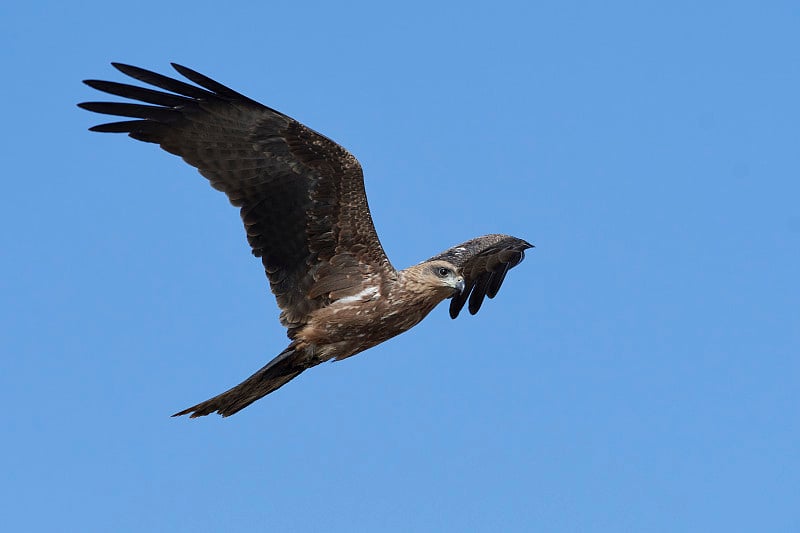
(300, 194)
(483, 262)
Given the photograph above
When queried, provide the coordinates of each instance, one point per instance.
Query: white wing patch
(370, 293)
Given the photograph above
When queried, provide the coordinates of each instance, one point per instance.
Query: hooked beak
(460, 285)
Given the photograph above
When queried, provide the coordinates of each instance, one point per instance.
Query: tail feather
(283, 368)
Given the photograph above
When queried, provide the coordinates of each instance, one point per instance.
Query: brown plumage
(301, 198)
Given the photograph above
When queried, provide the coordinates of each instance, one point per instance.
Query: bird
(302, 200)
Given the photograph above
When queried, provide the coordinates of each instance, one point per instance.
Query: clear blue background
(639, 372)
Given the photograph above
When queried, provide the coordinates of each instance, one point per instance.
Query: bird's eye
(443, 272)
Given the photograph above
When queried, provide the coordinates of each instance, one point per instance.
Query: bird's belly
(345, 330)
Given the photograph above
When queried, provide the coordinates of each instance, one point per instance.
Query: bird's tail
(282, 369)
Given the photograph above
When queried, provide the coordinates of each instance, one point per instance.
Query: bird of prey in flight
(302, 200)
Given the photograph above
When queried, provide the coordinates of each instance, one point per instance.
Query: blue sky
(638, 372)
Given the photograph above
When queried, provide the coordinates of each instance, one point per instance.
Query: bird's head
(440, 277)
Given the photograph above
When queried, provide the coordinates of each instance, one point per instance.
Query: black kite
(302, 200)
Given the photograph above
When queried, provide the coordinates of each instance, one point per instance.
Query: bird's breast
(349, 326)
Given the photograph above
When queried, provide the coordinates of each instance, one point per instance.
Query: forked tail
(282, 369)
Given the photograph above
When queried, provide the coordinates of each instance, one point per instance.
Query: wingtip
(454, 313)
(129, 70)
(184, 71)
